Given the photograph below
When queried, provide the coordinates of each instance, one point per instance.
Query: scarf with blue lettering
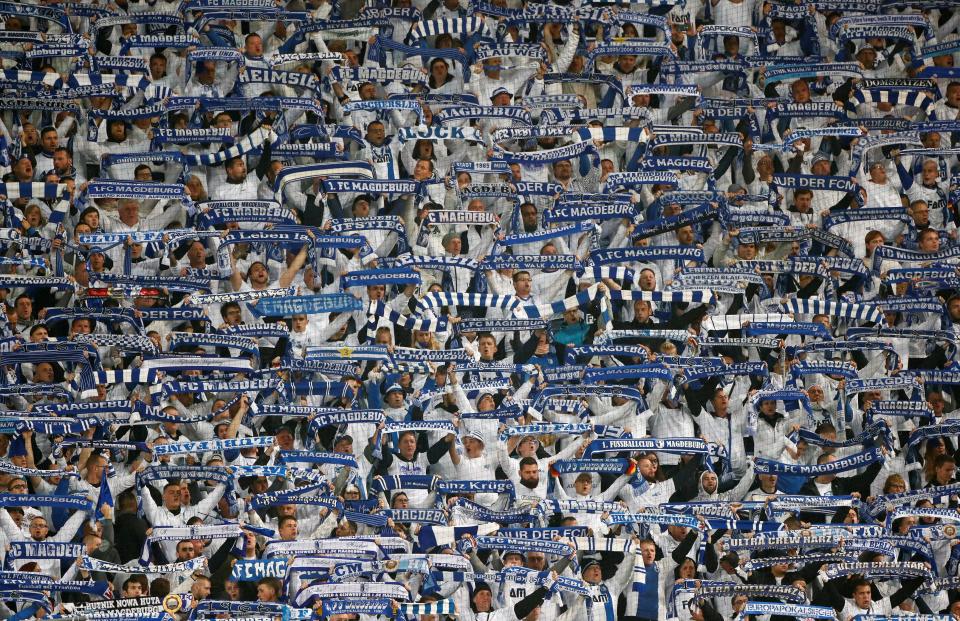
(362, 590)
(309, 305)
(173, 388)
(480, 513)
(296, 174)
(933, 431)
(474, 487)
(92, 564)
(904, 255)
(705, 589)
(900, 382)
(879, 570)
(907, 409)
(851, 462)
(71, 502)
(374, 223)
(815, 70)
(204, 446)
(258, 75)
(387, 104)
(644, 230)
(888, 501)
(299, 496)
(377, 51)
(197, 363)
(467, 112)
(22, 550)
(526, 545)
(211, 608)
(565, 211)
(797, 610)
(378, 74)
(230, 530)
(680, 446)
(619, 373)
(193, 473)
(244, 344)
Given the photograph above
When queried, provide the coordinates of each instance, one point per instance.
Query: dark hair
(940, 460)
(139, 579)
(227, 307)
(160, 587)
(526, 461)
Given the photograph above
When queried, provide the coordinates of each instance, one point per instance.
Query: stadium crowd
(493, 310)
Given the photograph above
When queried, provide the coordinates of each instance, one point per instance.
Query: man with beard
(645, 490)
(530, 486)
(710, 487)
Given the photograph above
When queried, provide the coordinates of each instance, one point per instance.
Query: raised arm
(291, 272)
(237, 420)
(10, 528)
(906, 179)
(71, 527)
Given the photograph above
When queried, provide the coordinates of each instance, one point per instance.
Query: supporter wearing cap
(602, 602)
(501, 96)
(395, 405)
(477, 463)
(488, 76)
